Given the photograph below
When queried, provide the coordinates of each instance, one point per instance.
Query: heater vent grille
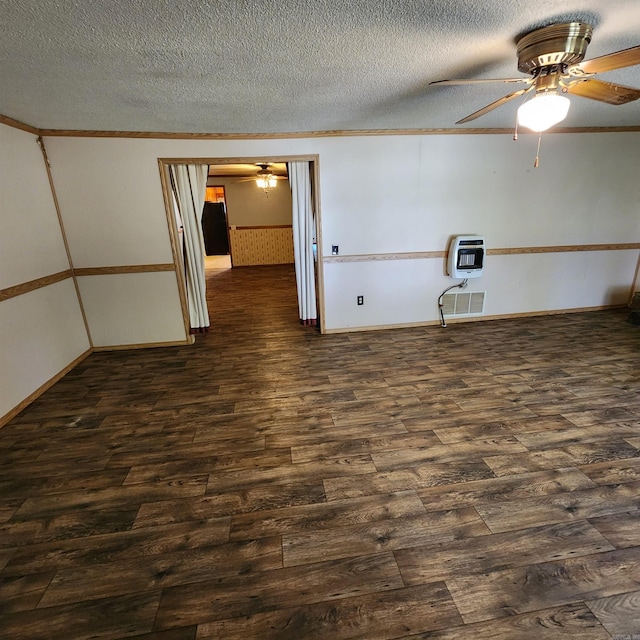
(467, 303)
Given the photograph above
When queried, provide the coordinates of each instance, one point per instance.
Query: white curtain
(189, 183)
(303, 239)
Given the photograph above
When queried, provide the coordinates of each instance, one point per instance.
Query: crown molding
(167, 135)
(337, 133)
(16, 124)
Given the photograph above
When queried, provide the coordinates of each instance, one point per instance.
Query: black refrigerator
(214, 228)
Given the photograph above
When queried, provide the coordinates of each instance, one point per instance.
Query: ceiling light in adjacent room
(265, 179)
(266, 182)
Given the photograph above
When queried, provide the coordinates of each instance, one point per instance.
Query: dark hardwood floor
(476, 482)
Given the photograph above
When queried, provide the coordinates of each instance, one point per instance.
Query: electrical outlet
(334, 249)
(360, 300)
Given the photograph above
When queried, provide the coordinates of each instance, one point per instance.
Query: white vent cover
(465, 303)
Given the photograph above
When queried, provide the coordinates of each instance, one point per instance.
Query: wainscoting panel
(261, 245)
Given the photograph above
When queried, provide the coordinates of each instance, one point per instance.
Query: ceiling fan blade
(483, 81)
(603, 91)
(611, 61)
(493, 105)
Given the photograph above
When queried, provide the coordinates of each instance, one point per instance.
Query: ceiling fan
(264, 177)
(553, 56)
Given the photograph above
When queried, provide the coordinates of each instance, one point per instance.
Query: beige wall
(248, 206)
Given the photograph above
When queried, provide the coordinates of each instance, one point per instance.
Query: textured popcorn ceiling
(249, 66)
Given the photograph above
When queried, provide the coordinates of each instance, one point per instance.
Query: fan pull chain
(537, 160)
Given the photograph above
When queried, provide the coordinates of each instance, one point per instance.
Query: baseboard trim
(10, 415)
(42, 388)
(532, 314)
(146, 345)
(506, 316)
(382, 327)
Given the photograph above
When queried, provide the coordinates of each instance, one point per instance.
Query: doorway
(227, 166)
(259, 217)
(215, 228)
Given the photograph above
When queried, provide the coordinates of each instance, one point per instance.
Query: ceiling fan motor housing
(264, 171)
(556, 45)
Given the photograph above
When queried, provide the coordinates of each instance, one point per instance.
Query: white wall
(407, 291)
(31, 244)
(410, 193)
(394, 194)
(41, 332)
(132, 309)
(114, 216)
(111, 202)
(585, 191)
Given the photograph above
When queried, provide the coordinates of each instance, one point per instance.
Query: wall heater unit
(466, 257)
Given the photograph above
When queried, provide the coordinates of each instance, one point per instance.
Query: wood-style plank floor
(479, 481)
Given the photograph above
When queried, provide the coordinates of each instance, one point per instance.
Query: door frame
(314, 162)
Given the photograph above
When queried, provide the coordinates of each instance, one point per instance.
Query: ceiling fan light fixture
(265, 179)
(266, 182)
(543, 111)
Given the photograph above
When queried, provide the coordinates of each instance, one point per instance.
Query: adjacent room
(320, 320)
